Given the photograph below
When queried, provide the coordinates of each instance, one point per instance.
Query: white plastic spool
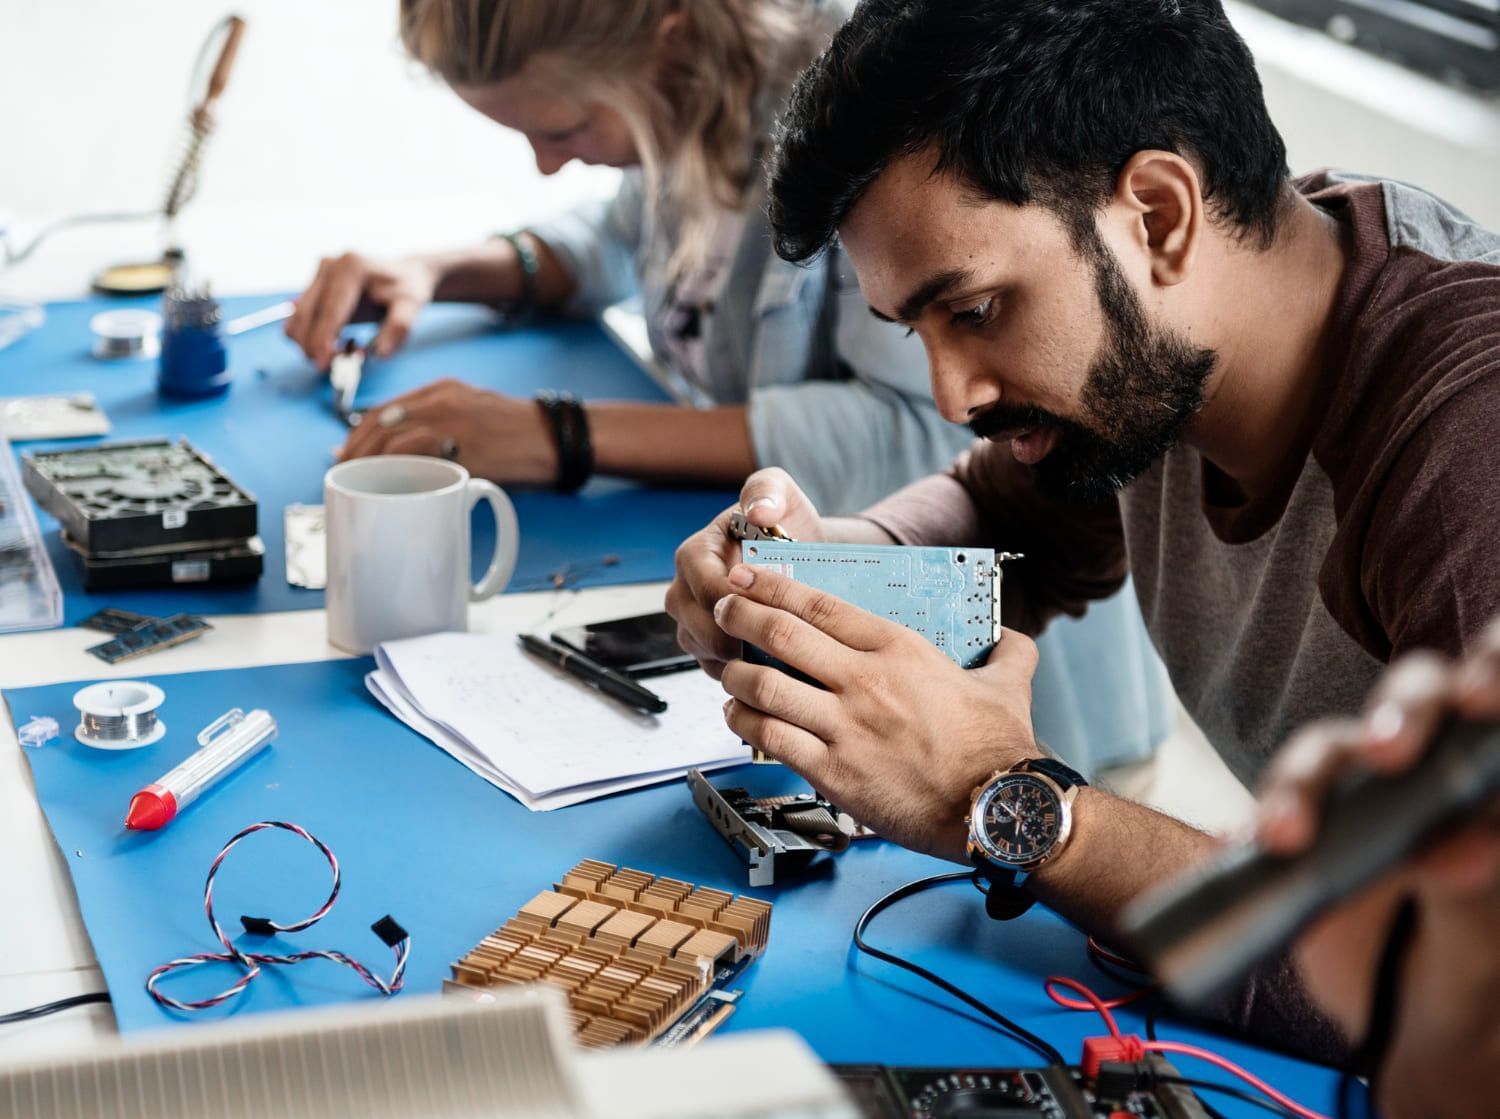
(126, 334)
(119, 715)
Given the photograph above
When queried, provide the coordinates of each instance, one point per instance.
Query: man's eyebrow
(929, 291)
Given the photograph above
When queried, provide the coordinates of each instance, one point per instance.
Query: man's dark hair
(1027, 101)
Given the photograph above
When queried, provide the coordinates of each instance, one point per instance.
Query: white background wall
(330, 139)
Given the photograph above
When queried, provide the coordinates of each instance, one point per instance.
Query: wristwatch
(1018, 820)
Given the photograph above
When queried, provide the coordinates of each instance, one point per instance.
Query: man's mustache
(1011, 417)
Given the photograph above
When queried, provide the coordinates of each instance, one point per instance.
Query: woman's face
(560, 126)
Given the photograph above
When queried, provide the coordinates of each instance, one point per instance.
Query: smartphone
(645, 645)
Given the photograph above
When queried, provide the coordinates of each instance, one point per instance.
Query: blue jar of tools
(194, 360)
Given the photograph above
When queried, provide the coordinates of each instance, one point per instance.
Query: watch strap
(1004, 898)
(1066, 776)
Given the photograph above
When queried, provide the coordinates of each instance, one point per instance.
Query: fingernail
(1386, 722)
(740, 576)
(728, 703)
(721, 606)
(760, 503)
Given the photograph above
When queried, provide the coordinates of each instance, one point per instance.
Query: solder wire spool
(126, 334)
(119, 715)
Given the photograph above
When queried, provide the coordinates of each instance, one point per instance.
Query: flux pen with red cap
(225, 744)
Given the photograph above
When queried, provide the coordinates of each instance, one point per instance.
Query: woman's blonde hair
(696, 108)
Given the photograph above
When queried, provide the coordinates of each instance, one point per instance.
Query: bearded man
(1271, 400)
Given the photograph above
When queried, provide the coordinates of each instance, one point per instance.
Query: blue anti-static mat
(451, 857)
(274, 431)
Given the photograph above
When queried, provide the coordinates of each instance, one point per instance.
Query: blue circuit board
(951, 596)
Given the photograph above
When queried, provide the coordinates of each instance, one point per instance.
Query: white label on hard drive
(174, 518)
(189, 571)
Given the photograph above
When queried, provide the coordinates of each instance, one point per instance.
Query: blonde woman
(682, 95)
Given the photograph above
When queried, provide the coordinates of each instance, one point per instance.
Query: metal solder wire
(118, 728)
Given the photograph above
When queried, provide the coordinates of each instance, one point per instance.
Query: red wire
(1229, 1066)
(1099, 1004)
(1094, 1002)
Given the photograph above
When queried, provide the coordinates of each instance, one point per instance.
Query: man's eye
(975, 315)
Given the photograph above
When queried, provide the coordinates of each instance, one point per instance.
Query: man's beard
(1138, 397)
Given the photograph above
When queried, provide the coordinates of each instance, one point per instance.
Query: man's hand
(353, 288)
(492, 436)
(1446, 1043)
(901, 735)
(769, 497)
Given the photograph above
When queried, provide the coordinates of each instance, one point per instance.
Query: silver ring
(391, 415)
(450, 450)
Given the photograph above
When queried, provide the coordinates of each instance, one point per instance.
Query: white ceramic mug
(398, 548)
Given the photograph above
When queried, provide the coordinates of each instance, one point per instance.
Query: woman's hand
(354, 288)
(502, 438)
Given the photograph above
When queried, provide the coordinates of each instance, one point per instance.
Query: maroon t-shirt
(1381, 537)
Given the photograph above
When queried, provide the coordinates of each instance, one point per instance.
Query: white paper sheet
(543, 736)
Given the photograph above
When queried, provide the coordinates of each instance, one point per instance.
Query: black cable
(1228, 1090)
(52, 1007)
(1020, 1033)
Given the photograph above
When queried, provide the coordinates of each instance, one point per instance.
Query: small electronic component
(151, 638)
(303, 528)
(741, 529)
(1057, 1092)
(345, 372)
(38, 730)
(63, 416)
(776, 836)
(114, 620)
(642, 959)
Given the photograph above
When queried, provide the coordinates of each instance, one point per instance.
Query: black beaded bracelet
(527, 303)
(570, 430)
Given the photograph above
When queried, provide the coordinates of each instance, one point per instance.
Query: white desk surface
(44, 952)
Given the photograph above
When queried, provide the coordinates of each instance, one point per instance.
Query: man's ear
(1161, 192)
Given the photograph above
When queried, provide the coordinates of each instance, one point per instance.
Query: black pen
(607, 680)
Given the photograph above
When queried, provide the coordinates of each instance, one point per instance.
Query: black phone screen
(645, 645)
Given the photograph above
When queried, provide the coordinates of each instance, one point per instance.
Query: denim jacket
(837, 398)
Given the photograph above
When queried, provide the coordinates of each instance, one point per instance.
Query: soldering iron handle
(220, 77)
(1204, 932)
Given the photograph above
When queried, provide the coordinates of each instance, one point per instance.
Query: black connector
(260, 926)
(1117, 1079)
(389, 931)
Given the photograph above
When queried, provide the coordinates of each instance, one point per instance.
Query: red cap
(150, 809)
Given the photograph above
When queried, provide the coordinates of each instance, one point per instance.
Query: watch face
(1018, 819)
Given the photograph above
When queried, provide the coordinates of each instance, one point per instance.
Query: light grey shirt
(836, 397)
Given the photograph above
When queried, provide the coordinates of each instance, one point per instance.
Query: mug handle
(507, 538)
